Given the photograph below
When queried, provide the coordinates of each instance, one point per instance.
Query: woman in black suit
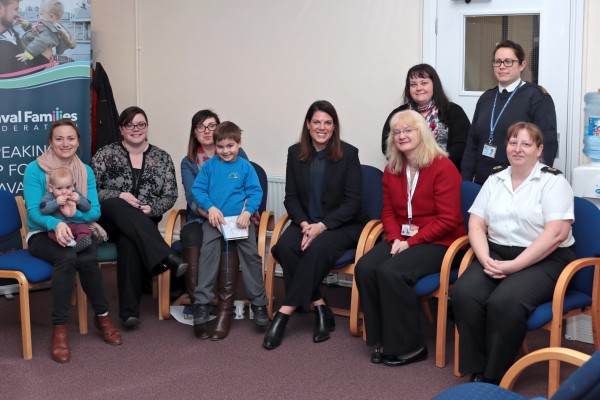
(323, 194)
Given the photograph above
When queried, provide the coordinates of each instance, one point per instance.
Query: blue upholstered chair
(437, 285)
(577, 290)
(372, 204)
(17, 263)
(583, 384)
(266, 224)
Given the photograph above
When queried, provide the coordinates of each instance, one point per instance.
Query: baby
(46, 34)
(62, 201)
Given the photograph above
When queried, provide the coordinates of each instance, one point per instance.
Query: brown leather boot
(191, 255)
(226, 283)
(110, 334)
(61, 352)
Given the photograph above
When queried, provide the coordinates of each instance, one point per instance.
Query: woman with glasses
(513, 100)
(423, 92)
(201, 148)
(421, 217)
(136, 186)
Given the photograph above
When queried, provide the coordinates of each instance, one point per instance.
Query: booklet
(231, 231)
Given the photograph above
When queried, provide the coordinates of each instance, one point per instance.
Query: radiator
(275, 195)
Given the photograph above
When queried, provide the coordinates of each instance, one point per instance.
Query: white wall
(260, 64)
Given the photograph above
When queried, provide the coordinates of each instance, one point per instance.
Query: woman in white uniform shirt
(520, 230)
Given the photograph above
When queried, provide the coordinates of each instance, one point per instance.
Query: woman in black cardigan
(423, 92)
(323, 193)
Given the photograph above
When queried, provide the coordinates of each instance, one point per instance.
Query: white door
(468, 32)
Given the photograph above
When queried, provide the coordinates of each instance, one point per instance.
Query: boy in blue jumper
(227, 185)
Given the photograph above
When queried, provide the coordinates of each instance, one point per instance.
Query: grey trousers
(251, 262)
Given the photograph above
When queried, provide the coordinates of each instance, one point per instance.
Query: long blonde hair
(427, 151)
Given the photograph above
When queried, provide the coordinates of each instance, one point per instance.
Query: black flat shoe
(174, 263)
(322, 324)
(476, 378)
(275, 333)
(376, 356)
(394, 361)
(131, 322)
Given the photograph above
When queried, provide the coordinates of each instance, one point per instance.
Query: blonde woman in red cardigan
(421, 218)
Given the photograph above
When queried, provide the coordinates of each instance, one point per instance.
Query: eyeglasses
(211, 127)
(507, 63)
(139, 125)
(407, 131)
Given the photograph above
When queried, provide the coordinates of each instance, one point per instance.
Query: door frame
(573, 157)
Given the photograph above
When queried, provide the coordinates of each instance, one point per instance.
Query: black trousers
(66, 262)
(390, 305)
(491, 314)
(303, 271)
(140, 248)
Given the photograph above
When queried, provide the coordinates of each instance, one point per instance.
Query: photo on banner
(45, 56)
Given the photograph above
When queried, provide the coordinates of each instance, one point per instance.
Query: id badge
(409, 229)
(489, 150)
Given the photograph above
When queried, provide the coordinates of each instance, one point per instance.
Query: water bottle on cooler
(591, 133)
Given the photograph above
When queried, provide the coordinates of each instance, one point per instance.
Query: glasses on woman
(406, 131)
(507, 63)
(139, 125)
(210, 127)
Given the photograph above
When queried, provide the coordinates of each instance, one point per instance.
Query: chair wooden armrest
(174, 215)
(442, 296)
(557, 354)
(267, 223)
(271, 262)
(23, 215)
(361, 250)
(556, 325)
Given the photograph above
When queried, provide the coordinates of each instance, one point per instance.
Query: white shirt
(510, 87)
(517, 218)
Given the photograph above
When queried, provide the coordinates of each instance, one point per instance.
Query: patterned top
(156, 187)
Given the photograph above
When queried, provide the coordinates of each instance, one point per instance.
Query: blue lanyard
(494, 124)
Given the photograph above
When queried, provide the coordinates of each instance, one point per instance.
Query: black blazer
(342, 191)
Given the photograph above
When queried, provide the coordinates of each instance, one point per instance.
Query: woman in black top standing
(447, 121)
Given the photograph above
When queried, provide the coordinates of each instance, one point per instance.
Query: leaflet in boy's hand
(231, 231)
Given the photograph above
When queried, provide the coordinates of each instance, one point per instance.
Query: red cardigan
(436, 204)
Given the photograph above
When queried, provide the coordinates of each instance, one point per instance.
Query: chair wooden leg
(354, 310)
(456, 358)
(81, 306)
(269, 284)
(425, 306)
(25, 319)
(164, 283)
(440, 335)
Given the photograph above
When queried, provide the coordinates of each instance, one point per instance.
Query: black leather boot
(322, 324)
(276, 330)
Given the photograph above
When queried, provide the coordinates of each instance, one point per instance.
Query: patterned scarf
(431, 117)
(201, 157)
(48, 162)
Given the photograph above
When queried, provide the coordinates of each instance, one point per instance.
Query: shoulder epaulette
(498, 168)
(552, 170)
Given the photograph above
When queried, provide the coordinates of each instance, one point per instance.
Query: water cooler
(586, 183)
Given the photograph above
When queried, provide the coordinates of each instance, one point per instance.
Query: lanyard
(494, 124)
(411, 191)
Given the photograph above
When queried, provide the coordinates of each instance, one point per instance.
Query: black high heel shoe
(322, 324)
(275, 333)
